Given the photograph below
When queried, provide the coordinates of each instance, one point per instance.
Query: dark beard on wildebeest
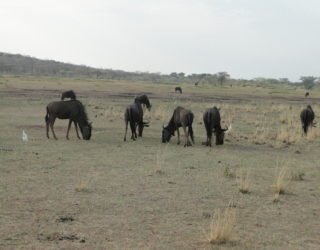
(307, 117)
(72, 110)
(134, 116)
(181, 118)
(211, 119)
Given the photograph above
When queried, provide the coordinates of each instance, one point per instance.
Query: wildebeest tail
(190, 130)
(127, 115)
(46, 118)
(305, 129)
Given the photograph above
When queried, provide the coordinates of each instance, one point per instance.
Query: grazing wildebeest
(72, 110)
(134, 115)
(196, 83)
(306, 94)
(178, 89)
(181, 118)
(68, 94)
(211, 119)
(307, 117)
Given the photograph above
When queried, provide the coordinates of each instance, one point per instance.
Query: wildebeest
(68, 94)
(134, 115)
(306, 94)
(211, 119)
(178, 90)
(72, 110)
(181, 118)
(196, 83)
(307, 117)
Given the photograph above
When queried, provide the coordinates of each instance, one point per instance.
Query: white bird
(24, 136)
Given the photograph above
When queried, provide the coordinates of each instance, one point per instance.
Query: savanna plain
(260, 190)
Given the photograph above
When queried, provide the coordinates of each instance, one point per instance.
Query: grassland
(109, 194)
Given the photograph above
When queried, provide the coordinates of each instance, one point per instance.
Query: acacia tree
(222, 77)
(308, 81)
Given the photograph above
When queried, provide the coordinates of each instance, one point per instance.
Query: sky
(246, 38)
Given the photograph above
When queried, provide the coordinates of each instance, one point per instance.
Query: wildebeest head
(166, 134)
(145, 100)
(220, 135)
(86, 131)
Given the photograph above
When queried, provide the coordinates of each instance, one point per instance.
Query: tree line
(20, 64)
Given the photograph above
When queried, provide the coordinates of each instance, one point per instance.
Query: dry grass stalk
(244, 183)
(222, 225)
(160, 160)
(275, 197)
(280, 182)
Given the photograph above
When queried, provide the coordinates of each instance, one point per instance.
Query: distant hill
(19, 64)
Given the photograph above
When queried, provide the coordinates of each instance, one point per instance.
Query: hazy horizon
(246, 38)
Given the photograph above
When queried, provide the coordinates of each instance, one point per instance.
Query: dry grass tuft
(244, 183)
(313, 134)
(228, 173)
(222, 225)
(297, 176)
(290, 131)
(82, 186)
(113, 113)
(280, 182)
(160, 114)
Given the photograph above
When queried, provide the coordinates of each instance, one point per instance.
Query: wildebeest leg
(52, 120)
(125, 133)
(76, 126)
(69, 125)
(178, 136)
(187, 142)
(133, 131)
(47, 129)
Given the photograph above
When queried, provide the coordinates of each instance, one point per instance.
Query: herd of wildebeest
(74, 110)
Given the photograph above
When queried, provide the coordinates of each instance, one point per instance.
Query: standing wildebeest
(72, 110)
(68, 94)
(306, 94)
(178, 89)
(134, 115)
(211, 119)
(196, 83)
(307, 117)
(181, 118)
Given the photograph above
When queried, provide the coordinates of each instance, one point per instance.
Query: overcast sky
(247, 38)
